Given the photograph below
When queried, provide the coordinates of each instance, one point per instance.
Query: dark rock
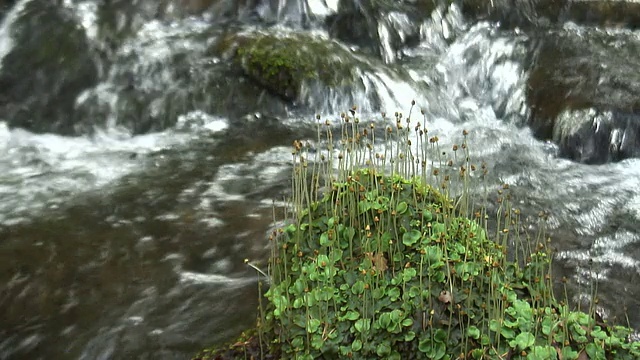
(583, 93)
(621, 13)
(152, 83)
(380, 27)
(596, 137)
(515, 13)
(283, 63)
(5, 6)
(532, 13)
(49, 65)
(307, 70)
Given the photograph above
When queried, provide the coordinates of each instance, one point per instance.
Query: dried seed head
(413, 102)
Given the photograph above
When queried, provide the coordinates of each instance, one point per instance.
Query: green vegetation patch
(283, 63)
(384, 266)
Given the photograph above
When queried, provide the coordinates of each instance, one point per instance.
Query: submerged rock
(583, 93)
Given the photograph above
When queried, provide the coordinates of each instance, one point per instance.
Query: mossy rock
(385, 267)
(283, 63)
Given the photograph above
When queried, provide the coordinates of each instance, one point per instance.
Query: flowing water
(125, 242)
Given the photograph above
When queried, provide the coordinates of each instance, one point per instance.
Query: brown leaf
(445, 297)
(378, 260)
(583, 355)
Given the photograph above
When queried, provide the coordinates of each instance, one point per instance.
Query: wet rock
(528, 13)
(597, 137)
(622, 13)
(512, 13)
(382, 28)
(5, 6)
(305, 69)
(283, 63)
(583, 93)
(216, 10)
(49, 65)
(159, 76)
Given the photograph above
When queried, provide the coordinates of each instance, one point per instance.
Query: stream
(139, 166)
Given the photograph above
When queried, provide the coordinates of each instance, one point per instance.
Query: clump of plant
(387, 255)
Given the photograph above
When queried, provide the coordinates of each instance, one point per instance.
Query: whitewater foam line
(6, 40)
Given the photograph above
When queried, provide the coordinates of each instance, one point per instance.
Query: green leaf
(569, 353)
(523, 341)
(383, 349)
(356, 345)
(411, 237)
(313, 325)
(409, 336)
(384, 320)
(317, 342)
(352, 315)
(402, 208)
(408, 274)
(396, 315)
(594, 352)
(349, 233)
(393, 294)
(542, 353)
(598, 333)
(440, 336)
(473, 332)
(363, 325)
(358, 287)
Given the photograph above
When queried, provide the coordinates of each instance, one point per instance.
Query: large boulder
(166, 73)
(583, 92)
(50, 63)
(305, 69)
(282, 63)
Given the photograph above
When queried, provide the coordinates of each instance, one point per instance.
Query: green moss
(283, 64)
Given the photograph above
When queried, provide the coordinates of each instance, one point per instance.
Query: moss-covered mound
(282, 63)
(383, 268)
